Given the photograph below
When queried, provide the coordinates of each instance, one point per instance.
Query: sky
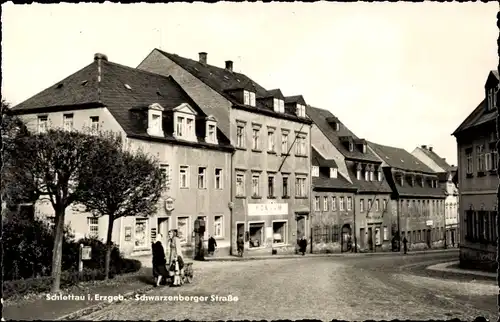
(398, 74)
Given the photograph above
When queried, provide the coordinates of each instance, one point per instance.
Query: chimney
(430, 148)
(229, 65)
(444, 159)
(424, 147)
(203, 57)
(99, 56)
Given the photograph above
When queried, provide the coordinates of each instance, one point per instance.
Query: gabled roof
(437, 159)
(324, 181)
(480, 115)
(125, 91)
(319, 117)
(399, 158)
(299, 99)
(276, 93)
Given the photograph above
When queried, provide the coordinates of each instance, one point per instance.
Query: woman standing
(175, 258)
(159, 261)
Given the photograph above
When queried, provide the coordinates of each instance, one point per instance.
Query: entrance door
(346, 238)
(240, 230)
(163, 229)
(429, 238)
(301, 226)
(362, 237)
(370, 239)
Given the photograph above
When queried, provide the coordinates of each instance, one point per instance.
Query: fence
(326, 234)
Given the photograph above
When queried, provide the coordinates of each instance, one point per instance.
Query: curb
(96, 307)
(443, 267)
(352, 255)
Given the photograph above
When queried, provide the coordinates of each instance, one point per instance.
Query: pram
(186, 274)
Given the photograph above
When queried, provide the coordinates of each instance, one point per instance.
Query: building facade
(270, 168)
(372, 221)
(478, 179)
(418, 197)
(446, 173)
(154, 114)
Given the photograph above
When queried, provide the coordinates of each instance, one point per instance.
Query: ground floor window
(141, 229)
(386, 233)
(377, 236)
(93, 226)
(183, 228)
(256, 234)
(279, 232)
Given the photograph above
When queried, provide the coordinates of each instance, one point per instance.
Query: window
(286, 193)
(218, 226)
(341, 204)
(183, 228)
(211, 133)
(43, 124)
(361, 205)
(325, 203)
(252, 99)
(492, 101)
(367, 175)
(141, 229)
(300, 187)
(494, 157)
(315, 171)
(270, 141)
(279, 106)
(377, 205)
(284, 143)
(301, 110)
(180, 126)
(377, 236)
(379, 175)
(300, 148)
(202, 178)
(480, 158)
(94, 124)
(386, 233)
(240, 136)
(349, 203)
(351, 147)
(279, 232)
(165, 172)
(470, 166)
(156, 122)
(358, 174)
(246, 97)
(189, 127)
(334, 203)
(333, 173)
(218, 178)
(255, 139)
(371, 175)
(384, 204)
(240, 184)
(316, 203)
(255, 185)
(68, 122)
(256, 234)
(270, 186)
(184, 176)
(369, 208)
(93, 225)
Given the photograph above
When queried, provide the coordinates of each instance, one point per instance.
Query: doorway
(301, 226)
(240, 230)
(428, 238)
(346, 238)
(162, 229)
(370, 239)
(362, 237)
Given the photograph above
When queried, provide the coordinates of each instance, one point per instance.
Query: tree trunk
(57, 249)
(109, 243)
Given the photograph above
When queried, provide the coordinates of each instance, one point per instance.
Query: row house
(152, 113)
(417, 197)
(270, 189)
(477, 175)
(371, 227)
(446, 174)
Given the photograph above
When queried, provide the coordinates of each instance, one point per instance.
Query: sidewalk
(42, 308)
(445, 267)
(247, 256)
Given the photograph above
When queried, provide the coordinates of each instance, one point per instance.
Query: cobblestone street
(349, 288)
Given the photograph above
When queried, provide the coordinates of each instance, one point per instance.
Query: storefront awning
(302, 210)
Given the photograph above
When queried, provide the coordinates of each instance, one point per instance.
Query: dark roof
(399, 158)
(479, 115)
(275, 93)
(319, 117)
(437, 159)
(221, 80)
(377, 187)
(417, 190)
(295, 99)
(125, 91)
(324, 181)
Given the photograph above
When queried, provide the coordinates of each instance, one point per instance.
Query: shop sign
(429, 222)
(86, 252)
(267, 209)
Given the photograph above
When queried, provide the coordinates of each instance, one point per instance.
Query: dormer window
(211, 130)
(279, 105)
(249, 98)
(492, 101)
(301, 110)
(367, 175)
(155, 112)
(401, 180)
(315, 171)
(412, 181)
(363, 148)
(184, 118)
(333, 173)
(379, 175)
(371, 175)
(351, 147)
(358, 174)
(422, 181)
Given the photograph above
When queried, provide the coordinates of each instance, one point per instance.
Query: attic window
(84, 82)
(59, 85)
(363, 148)
(127, 86)
(333, 173)
(279, 105)
(350, 147)
(249, 98)
(301, 110)
(315, 171)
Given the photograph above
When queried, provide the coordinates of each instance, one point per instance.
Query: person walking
(241, 245)
(175, 258)
(303, 245)
(405, 245)
(159, 261)
(212, 244)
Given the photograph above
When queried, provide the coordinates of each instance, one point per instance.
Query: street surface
(346, 288)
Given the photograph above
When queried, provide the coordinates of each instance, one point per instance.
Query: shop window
(141, 229)
(256, 234)
(183, 228)
(279, 232)
(377, 236)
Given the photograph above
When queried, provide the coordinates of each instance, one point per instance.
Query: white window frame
(255, 138)
(334, 203)
(367, 175)
(333, 173)
(341, 204)
(203, 177)
(361, 205)
(301, 110)
(93, 222)
(284, 142)
(146, 233)
(300, 186)
(240, 187)
(271, 141)
(315, 171)
(252, 99)
(369, 205)
(165, 171)
(358, 174)
(349, 203)
(325, 203)
(480, 158)
(379, 175)
(386, 233)
(377, 205)
(256, 184)
(184, 239)
(246, 98)
(371, 175)
(271, 179)
(219, 178)
(240, 136)
(384, 204)
(221, 226)
(300, 148)
(284, 237)
(186, 174)
(316, 203)
(68, 121)
(42, 125)
(211, 136)
(276, 105)
(470, 162)
(94, 124)
(286, 190)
